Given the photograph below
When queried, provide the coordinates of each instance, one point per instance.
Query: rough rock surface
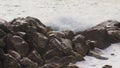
(28, 43)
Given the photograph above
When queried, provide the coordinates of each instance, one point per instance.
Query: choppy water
(68, 15)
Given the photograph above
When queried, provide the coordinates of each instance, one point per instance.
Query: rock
(37, 41)
(51, 53)
(72, 66)
(22, 24)
(4, 26)
(97, 55)
(1, 54)
(107, 66)
(51, 65)
(10, 62)
(14, 54)
(18, 44)
(21, 34)
(36, 57)
(2, 43)
(69, 34)
(104, 34)
(2, 33)
(56, 34)
(79, 45)
(91, 44)
(27, 63)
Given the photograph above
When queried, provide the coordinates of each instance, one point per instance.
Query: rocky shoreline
(28, 43)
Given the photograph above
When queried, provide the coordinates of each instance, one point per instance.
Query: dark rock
(36, 57)
(10, 62)
(91, 44)
(21, 34)
(14, 54)
(18, 44)
(69, 34)
(51, 53)
(38, 41)
(104, 34)
(97, 55)
(80, 46)
(2, 33)
(4, 26)
(1, 54)
(56, 34)
(51, 65)
(107, 66)
(22, 24)
(72, 66)
(27, 63)
(2, 43)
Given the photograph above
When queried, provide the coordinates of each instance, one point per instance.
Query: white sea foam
(74, 15)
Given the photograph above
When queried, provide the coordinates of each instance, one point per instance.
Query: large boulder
(22, 24)
(18, 44)
(37, 41)
(104, 34)
(10, 62)
(27, 63)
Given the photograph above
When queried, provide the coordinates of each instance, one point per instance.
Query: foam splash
(92, 62)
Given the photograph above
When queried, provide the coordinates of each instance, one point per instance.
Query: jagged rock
(56, 34)
(69, 34)
(1, 65)
(104, 34)
(22, 24)
(72, 66)
(18, 44)
(91, 44)
(2, 33)
(37, 41)
(14, 54)
(2, 43)
(51, 65)
(27, 63)
(97, 55)
(21, 34)
(80, 46)
(4, 26)
(10, 62)
(36, 57)
(1, 54)
(107, 66)
(51, 53)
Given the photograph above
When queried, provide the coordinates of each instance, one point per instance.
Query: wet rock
(2, 33)
(4, 26)
(21, 34)
(2, 43)
(18, 44)
(27, 63)
(22, 24)
(14, 54)
(97, 55)
(51, 65)
(56, 34)
(10, 62)
(69, 34)
(91, 44)
(72, 66)
(51, 53)
(107, 66)
(38, 41)
(79, 44)
(1, 54)
(36, 57)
